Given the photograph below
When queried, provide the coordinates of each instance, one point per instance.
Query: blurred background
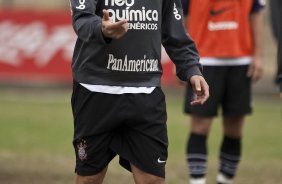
(36, 44)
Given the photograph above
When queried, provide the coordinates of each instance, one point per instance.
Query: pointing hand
(111, 29)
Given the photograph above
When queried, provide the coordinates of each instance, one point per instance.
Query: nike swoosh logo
(219, 11)
(161, 161)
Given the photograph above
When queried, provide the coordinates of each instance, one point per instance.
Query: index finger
(106, 15)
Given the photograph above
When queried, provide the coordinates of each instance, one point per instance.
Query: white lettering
(139, 65)
(128, 3)
(81, 5)
(33, 41)
(176, 13)
(110, 60)
(136, 18)
(217, 26)
(143, 26)
(133, 15)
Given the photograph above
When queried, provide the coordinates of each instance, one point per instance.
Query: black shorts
(130, 125)
(230, 88)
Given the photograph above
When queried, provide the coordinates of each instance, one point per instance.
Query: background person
(275, 15)
(228, 34)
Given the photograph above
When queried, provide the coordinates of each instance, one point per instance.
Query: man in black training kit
(118, 105)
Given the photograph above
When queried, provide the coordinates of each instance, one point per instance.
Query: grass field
(36, 134)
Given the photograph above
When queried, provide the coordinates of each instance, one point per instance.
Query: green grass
(36, 134)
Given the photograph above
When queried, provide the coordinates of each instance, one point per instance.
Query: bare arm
(255, 70)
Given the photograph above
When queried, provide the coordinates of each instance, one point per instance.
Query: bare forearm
(257, 22)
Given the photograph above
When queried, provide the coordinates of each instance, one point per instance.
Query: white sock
(198, 181)
(223, 179)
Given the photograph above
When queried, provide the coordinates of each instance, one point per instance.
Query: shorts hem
(159, 174)
(237, 113)
(201, 114)
(88, 172)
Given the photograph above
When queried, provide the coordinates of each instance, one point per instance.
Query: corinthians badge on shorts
(81, 150)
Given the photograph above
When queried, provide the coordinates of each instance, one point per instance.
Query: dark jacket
(279, 73)
(276, 14)
(134, 59)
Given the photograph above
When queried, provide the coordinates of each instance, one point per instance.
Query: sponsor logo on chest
(139, 18)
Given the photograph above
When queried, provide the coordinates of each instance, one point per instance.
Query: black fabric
(229, 88)
(135, 58)
(230, 155)
(130, 125)
(197, 155)
(92, 154)
(279, 70)
(275, 9)
(185, 5)
(257, 6)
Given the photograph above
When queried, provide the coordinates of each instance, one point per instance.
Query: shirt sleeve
(185, 5)
(86, 23)
(279, 74)
(258, 5)
(177, 43)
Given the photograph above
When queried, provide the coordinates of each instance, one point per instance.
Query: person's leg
(197, 148)
(141, 177)
(233, 126)
(236, 105)
(93, 133)
(95, 179)
(143, 141)
(230, 152)
(201, 117)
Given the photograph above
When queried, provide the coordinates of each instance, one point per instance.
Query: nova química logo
(139, 19)
(127, 3)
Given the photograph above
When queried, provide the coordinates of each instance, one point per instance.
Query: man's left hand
(200, 88)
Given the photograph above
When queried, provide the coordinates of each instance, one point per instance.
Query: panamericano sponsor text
(132, 65)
